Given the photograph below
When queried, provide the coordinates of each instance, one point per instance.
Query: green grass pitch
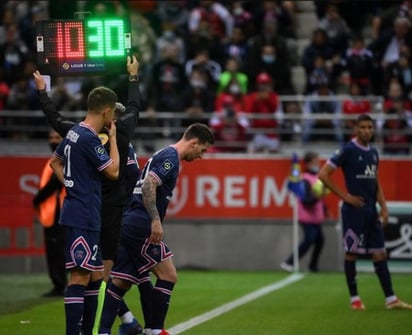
(317, 304)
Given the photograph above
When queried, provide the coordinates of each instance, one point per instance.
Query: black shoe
(53, 293)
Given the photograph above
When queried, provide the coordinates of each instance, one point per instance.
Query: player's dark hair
(363, 117)
(100, 98)
(199, 131)
(309, 157)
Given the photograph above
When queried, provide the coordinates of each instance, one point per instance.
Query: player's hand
(39, 81)
(354, 200)
(157, 232)
(384, 216)
(112, 130)
(132, 65)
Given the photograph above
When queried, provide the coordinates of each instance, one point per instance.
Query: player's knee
(122, 284)
(380, 256)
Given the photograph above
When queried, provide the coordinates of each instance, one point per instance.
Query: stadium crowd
(226, 62)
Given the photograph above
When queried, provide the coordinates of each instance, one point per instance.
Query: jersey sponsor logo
(370, 172)
(101, 152)
(72, 136)
(68, 183)
(166, 167)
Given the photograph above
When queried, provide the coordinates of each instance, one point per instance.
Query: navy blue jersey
(132, 173)
(360, 169)
(164, 167)
(84, 156)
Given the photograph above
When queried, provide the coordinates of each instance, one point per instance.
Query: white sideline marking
(197, 320)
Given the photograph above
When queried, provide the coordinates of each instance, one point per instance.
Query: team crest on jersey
(79, 254)
(166, 167)
(101, 152)
(103, 137)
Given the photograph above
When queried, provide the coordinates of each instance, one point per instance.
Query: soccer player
(113, 191)
(142, 248)
(362, 224)
(78, 162)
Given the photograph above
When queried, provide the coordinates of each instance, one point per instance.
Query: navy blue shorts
(136, 257)
(82, 249)
(362, 230)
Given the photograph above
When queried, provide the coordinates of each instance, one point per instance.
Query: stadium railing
(164, 125)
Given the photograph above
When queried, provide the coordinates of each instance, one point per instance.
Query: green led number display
(105, 38)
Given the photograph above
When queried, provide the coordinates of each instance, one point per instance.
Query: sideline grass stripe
(197, 320)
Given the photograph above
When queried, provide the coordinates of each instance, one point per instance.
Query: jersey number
(67, 169)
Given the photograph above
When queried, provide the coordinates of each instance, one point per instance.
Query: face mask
(53, 146)
(268, 59)
(169, 35)
(234, 89)
(314, 169)
(196, 83)
(238, 11)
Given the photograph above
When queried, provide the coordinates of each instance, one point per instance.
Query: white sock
(391, 299)
(156, 331)
(127, 317)
(354, 298)
(147, 331)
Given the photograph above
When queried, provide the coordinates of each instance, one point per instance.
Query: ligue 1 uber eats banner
(209, 188)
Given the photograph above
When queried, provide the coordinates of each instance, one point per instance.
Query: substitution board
(87, 46)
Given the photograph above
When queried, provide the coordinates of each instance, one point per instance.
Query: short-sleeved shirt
(84, 157)
(164, 167)
(360, 169)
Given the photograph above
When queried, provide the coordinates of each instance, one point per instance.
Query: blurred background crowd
(261, 73)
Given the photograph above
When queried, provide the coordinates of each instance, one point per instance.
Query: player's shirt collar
(360, 146)
(84, 124)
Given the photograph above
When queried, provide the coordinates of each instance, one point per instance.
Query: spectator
(230, 128)
(400, 70)
(274, 10)
(387, 48)
(174, 12)
(169, 37)
(23, 97)
(358, 62)
(397, 135)
(169, 81)
(395, 99)
(319, 47)
(13, 53)
(395, 94)
(232, 71)
(61, 97)
(268, 36)
(236, 47)
(354, 105)
(336, 29)
(198, 99)
(290, 126)
(203, 62)
(277, 67)
(242, 18)
(215, 15)
(328, 128)
(234, 90)
(264, 102)
(319, 75)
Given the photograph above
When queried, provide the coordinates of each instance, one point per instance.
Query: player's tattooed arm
(149, 187)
